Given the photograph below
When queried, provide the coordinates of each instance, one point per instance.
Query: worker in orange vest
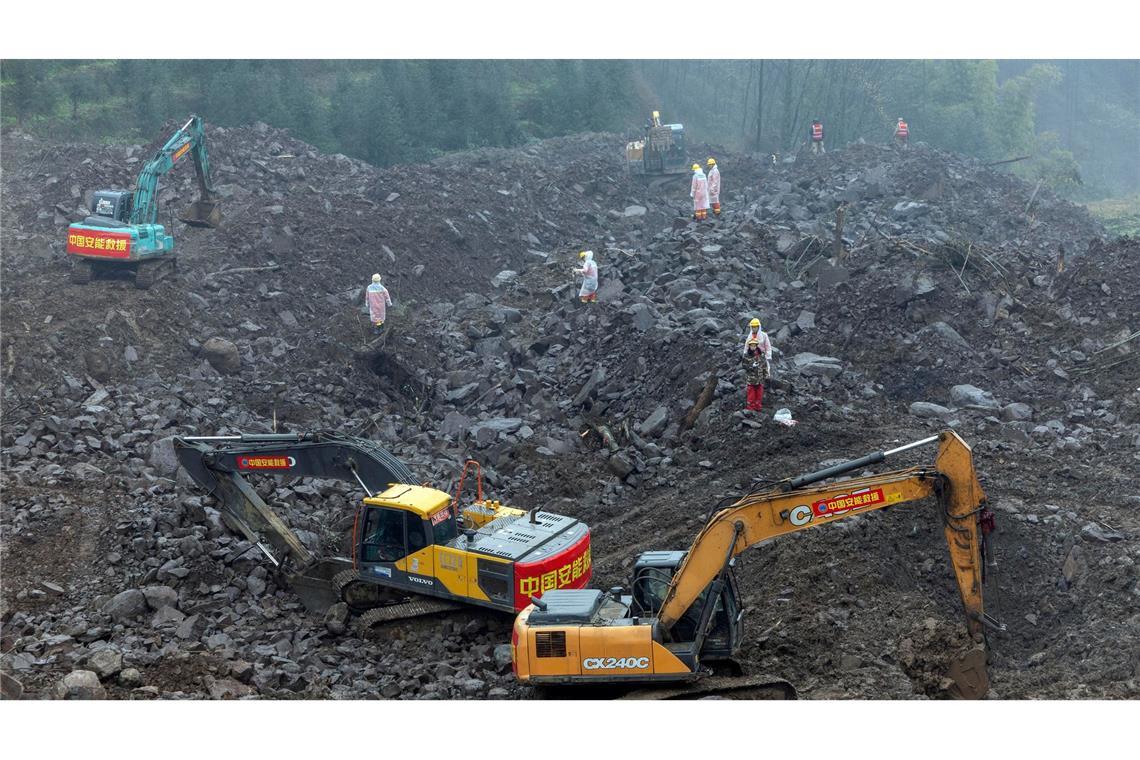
(817, 137)
(901, 134)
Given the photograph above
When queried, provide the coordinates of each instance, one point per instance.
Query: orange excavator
(680, 624)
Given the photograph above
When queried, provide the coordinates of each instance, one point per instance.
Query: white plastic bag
(784, 417)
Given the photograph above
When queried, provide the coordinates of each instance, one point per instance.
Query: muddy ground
(958, 298)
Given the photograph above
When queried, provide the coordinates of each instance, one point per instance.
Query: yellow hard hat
(696, 167)
(711, 162)
(375, 278)
(754, 341)
(754, 323)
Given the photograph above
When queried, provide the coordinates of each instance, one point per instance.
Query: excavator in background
(123, 232)
(660, 154)
(415, 550)
(681, 620)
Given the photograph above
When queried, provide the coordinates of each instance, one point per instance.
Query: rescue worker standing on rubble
(816, 134)
(377, 300)
(755, 373)
(756, 334)
(714, 186)
(699, 192)
(589, 271)
(902, 134)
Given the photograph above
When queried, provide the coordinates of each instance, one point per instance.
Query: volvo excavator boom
(218, 464)
(683, 611)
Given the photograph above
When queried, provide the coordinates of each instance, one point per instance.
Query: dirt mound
(947, 304)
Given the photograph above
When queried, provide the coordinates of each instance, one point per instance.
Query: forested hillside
(1079, 120)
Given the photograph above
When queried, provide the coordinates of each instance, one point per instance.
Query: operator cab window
(649, 594)
(444, 532)
(649, 590)
(418, 535)
(383, 539)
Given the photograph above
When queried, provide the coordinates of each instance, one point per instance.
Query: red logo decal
(844, 503)
(94, 243)
(265, 462)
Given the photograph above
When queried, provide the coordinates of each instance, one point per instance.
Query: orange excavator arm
(795, 504)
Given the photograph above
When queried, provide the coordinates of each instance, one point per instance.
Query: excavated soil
(959, 298)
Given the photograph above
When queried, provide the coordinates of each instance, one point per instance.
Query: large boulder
(162, 458)
(972, 396)
(222, 355)
(655, 422)
(504, 277)
(590, 386)
(106, 663)
(620, 465)
(126, 605)
(1016, 412)
(643, 317)
(10, 687)
(488, 431)
(80, 684)
(813, 364)
(158, 597)
(927, 410)
(454, 424)
(948, 334)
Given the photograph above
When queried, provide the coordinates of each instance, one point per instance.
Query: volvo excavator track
(375, 605)
(412, 608)
(360, 596)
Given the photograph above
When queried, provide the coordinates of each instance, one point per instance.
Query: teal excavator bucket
(202, 213)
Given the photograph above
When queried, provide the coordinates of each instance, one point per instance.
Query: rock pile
(944, 304)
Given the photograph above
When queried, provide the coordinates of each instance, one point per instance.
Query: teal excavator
(122, 230)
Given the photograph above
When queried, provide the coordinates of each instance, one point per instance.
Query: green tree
(27, 90)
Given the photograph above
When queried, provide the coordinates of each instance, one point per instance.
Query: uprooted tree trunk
(837, 253)
(703, 400)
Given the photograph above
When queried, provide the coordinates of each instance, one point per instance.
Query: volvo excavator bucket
(202, 213)
(314, 584)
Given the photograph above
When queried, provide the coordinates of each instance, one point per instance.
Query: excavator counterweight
(683, 612)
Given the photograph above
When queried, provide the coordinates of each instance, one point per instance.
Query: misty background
(1078, 119)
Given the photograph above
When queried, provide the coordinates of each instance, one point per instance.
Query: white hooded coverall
(589, 272)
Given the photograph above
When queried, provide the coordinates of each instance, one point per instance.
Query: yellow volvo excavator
(415, 550)
(682, 613)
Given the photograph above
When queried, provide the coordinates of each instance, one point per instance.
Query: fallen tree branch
(837, 254)
(239, 270)
(1033, 196)
(1130, 338)
(1008, 160)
